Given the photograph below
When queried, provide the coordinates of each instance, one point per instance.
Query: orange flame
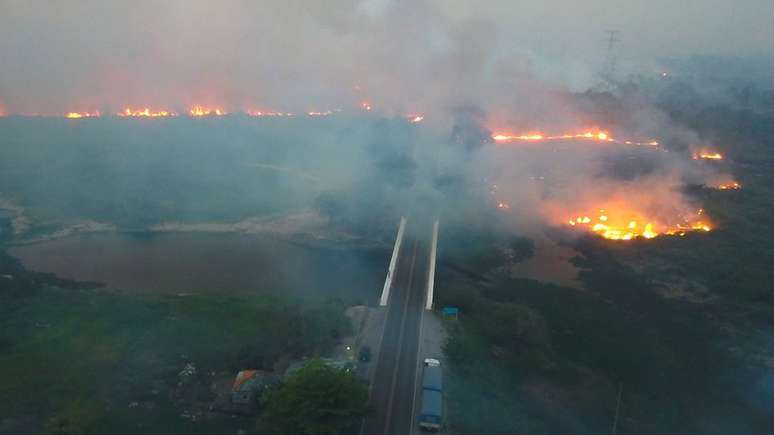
(624, 224)
(78, 115)
(365, 105)
(414, 119)
(146, 112)
(261, 113)
(708, 155)
(590, 134)
(206, 111)
(729, 186)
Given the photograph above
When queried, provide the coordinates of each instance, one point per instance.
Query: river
(208, 262)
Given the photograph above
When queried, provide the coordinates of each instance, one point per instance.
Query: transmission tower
(608, 75)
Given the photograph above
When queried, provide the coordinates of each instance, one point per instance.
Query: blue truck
(430, 417)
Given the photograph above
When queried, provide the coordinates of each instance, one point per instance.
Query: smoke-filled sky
(405, 56)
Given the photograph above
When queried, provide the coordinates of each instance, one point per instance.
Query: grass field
(83, 356)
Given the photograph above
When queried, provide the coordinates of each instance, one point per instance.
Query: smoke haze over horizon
(403, 57)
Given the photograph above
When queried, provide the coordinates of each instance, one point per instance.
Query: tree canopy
(315, 400)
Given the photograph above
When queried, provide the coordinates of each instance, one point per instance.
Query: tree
(316, 400)
(517, 325)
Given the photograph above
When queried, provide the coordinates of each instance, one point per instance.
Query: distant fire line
(145, 112)
(198, 111)
(78, 115)
(600, 136)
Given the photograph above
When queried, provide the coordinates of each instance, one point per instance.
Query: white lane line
(417, 376)
(393, 261)
(401, 333)
(431, 275)
(428, 306)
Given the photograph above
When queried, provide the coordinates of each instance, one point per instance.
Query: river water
(208, 262)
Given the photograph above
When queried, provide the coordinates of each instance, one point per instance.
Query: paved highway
(392, 392)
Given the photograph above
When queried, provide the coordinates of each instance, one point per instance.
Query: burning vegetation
(723, 182)
(707, 155)
(271, 113)
(78, 115)
(646, 206)
(730, 186)
(590, 134)
(198, 111)
(145, 113)
(620, 223)
(203, 110)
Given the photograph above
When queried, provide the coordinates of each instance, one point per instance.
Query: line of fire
(614, 220)
(617, 219)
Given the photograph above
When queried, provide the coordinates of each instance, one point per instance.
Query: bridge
(407, 293)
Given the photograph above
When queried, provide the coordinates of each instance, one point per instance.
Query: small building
(248, 385)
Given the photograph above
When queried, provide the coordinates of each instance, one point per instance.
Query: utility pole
(612, 58)
(617, 408)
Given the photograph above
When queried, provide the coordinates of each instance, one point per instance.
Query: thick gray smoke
(403, 56)
(471, 72)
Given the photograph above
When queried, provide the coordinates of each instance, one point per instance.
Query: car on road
(432, 362)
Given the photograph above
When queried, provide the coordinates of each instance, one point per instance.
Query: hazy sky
(318, 54)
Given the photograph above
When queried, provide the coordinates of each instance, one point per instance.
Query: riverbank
(211, 263)
(303, 227)
(152, 362)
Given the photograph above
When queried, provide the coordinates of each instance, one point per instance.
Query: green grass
(84, 355)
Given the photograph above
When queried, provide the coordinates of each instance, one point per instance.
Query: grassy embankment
(79, 357)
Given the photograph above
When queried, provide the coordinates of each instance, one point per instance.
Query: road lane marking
(378, 360)
(420, 358)
(401, 332)
(428, 305)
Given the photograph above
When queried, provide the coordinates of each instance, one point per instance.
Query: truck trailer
(430, 417)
